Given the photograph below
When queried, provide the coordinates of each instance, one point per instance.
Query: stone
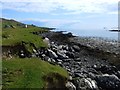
(70, 86)
(22, 54)
(70, 78)
(108, 82)
(76, 48)
(87, 84)
(105, 69)
(59, 60)
(78, 75)
(118, 74)
(61, 54)
(46, 41)
(52, 54)
(70, 54)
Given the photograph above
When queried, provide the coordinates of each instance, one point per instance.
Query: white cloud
(49, 6)
(52, 22)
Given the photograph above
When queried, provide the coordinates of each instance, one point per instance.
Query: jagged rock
(108, 82)
(61, 54)
(52, 54)
(70, 86)
(87, 84)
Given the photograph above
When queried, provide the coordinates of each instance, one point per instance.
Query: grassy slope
(13, 36)
(28, 73)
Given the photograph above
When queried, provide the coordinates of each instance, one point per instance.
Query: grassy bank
(30, 73)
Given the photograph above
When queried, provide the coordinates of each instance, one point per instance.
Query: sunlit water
(94, 33)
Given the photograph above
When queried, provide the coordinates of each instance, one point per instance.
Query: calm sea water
(95, 33)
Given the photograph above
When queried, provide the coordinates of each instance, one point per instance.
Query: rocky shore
(92, 64)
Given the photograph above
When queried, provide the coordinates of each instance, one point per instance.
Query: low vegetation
(27, 72)
(31, 73)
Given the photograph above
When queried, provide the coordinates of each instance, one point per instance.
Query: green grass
(28, 73)
(15, 36)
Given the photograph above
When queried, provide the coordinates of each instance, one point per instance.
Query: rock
(59, 60)
(91, 75)
(87, 84)
(76, 48)
(70, 49)
(70, 86)
(52, 54)
(105, 69)
(118, 74)
(108, 82)
(46, 41)
(70, 78)
(65, 47)
(67, 60)
(70, 54)
(46, 58)
(78, 75)
(61, 54)
(52, 60)
(22, 54)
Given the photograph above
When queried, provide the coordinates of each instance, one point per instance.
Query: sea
(106, 34)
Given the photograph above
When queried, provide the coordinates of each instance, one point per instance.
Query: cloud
(72, 6)
(52, 22)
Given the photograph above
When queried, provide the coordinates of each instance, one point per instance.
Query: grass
(28, 73)
(15, 36)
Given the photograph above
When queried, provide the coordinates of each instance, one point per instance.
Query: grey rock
(108, 82)
(76, 48)
(52, 54)
(87, 84)
(70, 86)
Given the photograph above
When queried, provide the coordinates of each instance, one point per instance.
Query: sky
(63, 14)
